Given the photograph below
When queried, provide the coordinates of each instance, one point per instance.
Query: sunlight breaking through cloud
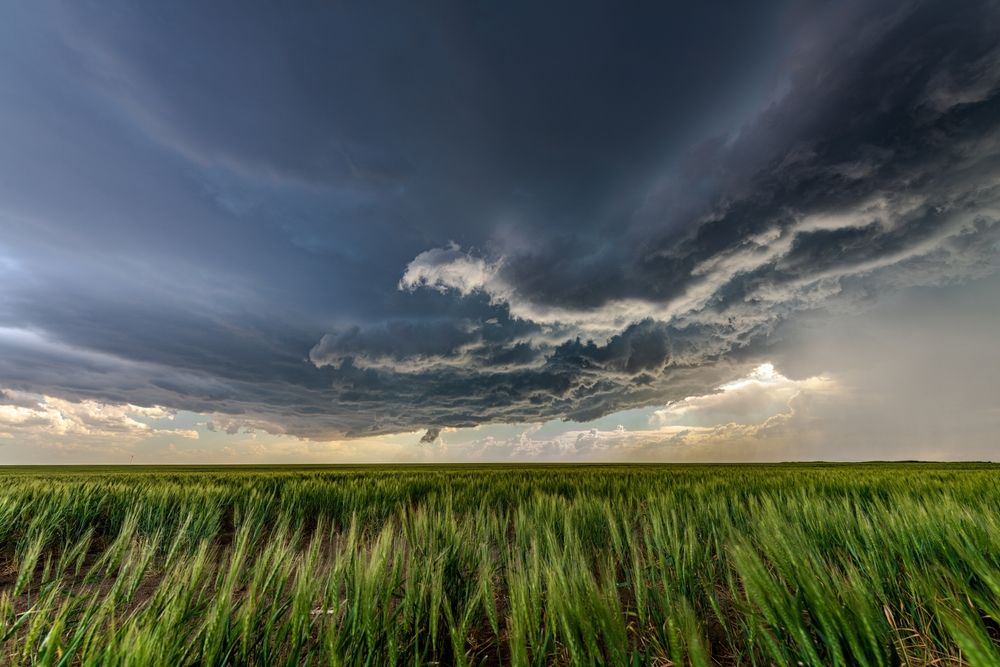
(754, 398)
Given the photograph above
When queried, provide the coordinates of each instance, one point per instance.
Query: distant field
(874, 564)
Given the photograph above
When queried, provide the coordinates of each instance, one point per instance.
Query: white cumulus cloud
(24, 415)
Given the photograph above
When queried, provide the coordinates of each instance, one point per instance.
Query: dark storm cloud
(863, 133)
(364, 219)
(431, 435)
(876, 169)
(641, 347)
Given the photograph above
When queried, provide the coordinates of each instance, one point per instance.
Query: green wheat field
(868, 564)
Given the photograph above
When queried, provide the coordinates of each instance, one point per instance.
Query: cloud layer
(348, 224)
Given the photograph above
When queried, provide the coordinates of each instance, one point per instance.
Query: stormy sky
(490, 231)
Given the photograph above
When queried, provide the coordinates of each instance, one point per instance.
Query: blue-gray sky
(350, 230)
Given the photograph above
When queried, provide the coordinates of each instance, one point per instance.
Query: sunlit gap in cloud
(761, 395)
